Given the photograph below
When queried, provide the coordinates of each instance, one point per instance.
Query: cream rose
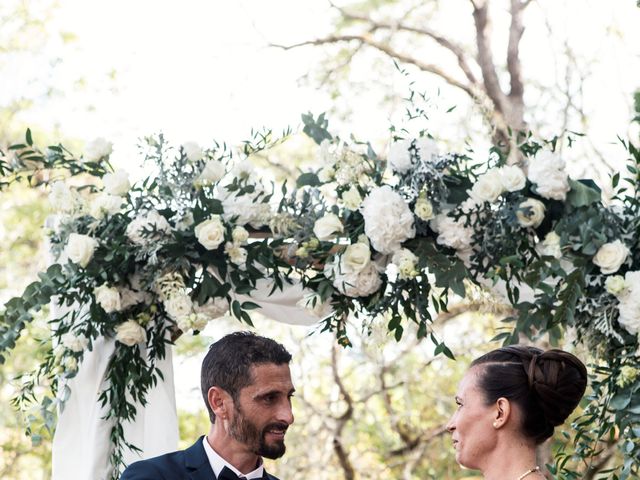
(406, 262)
(615, 285)
(327, 227)
(80, 249)
(611, 256)
(130, 333)
(355, 258)
(550, 246)
(236, 253)
(108, 298)
(210, 233)
(239, 235)
(423, 209)
(116, 183)
(530, 213)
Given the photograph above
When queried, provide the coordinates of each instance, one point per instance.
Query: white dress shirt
(218, 463)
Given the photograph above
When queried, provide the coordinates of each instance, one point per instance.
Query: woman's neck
(510, 461)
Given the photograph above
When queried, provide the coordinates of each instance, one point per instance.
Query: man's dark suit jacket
(189, 464)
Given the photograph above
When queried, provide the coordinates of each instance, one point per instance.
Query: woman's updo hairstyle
(547, 386)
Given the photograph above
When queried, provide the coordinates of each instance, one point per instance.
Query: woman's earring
(495, 424)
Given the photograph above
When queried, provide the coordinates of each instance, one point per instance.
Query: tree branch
(341, 421)
(516, 94)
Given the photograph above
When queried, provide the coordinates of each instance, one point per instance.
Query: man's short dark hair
(228, 363)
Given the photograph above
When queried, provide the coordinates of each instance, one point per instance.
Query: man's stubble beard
(245, 431)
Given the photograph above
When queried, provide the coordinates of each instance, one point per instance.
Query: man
(247, 388)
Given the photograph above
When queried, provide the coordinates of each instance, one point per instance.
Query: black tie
(227, 474)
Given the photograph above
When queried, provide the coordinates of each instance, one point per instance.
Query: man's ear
(502, 412)
(220, 402)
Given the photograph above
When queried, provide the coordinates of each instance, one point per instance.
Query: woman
(509, 401)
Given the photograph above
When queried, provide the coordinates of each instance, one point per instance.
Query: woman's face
(471, 426)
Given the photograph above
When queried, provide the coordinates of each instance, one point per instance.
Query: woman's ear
(220, 402)
(502, 412)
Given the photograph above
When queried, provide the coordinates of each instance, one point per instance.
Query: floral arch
(380, 238)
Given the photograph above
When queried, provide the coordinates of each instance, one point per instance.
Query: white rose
(550, 246)
(546, 170)
(178, 306)
(399, 157)
(212, 172)
(423, 209)
(210, 233)
(139, 231)
(611, 256)
(615, 285)
(108, 298)
(236, 253)
(352, 198)
(239, 235)
(530, 213)
(406, 262)
(387, 219)
(130, 333)
(427, 149)
(117, 183)
(104, 204)
(359, 284)
(512, 178)
(73, 342)
(327, 227)
(368, 281)
(487, 188)
(193, 151)
(61, 198)
(80, 248)
(97, 149)
(355, 258)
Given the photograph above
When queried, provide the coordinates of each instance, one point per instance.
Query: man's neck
(237, 454)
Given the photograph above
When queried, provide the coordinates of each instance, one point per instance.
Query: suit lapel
(197, 463)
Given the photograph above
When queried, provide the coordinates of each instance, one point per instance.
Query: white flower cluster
(234, 250)
(352, 272)
(388, 221)
(547, 171)
(496, 181)
(147, 228)
(62, 199)
(118, 299)
(342, 165)
(627, 290)
(400, 159)
(80, 248)
(67, 350)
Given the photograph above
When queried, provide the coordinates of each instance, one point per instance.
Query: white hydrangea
(139, 231)
(399, 157)
(452, 233)
(387, 219)
(547, 171)
(427, 149)
(62, 198)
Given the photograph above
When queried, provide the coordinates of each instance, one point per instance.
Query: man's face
(263, 411)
